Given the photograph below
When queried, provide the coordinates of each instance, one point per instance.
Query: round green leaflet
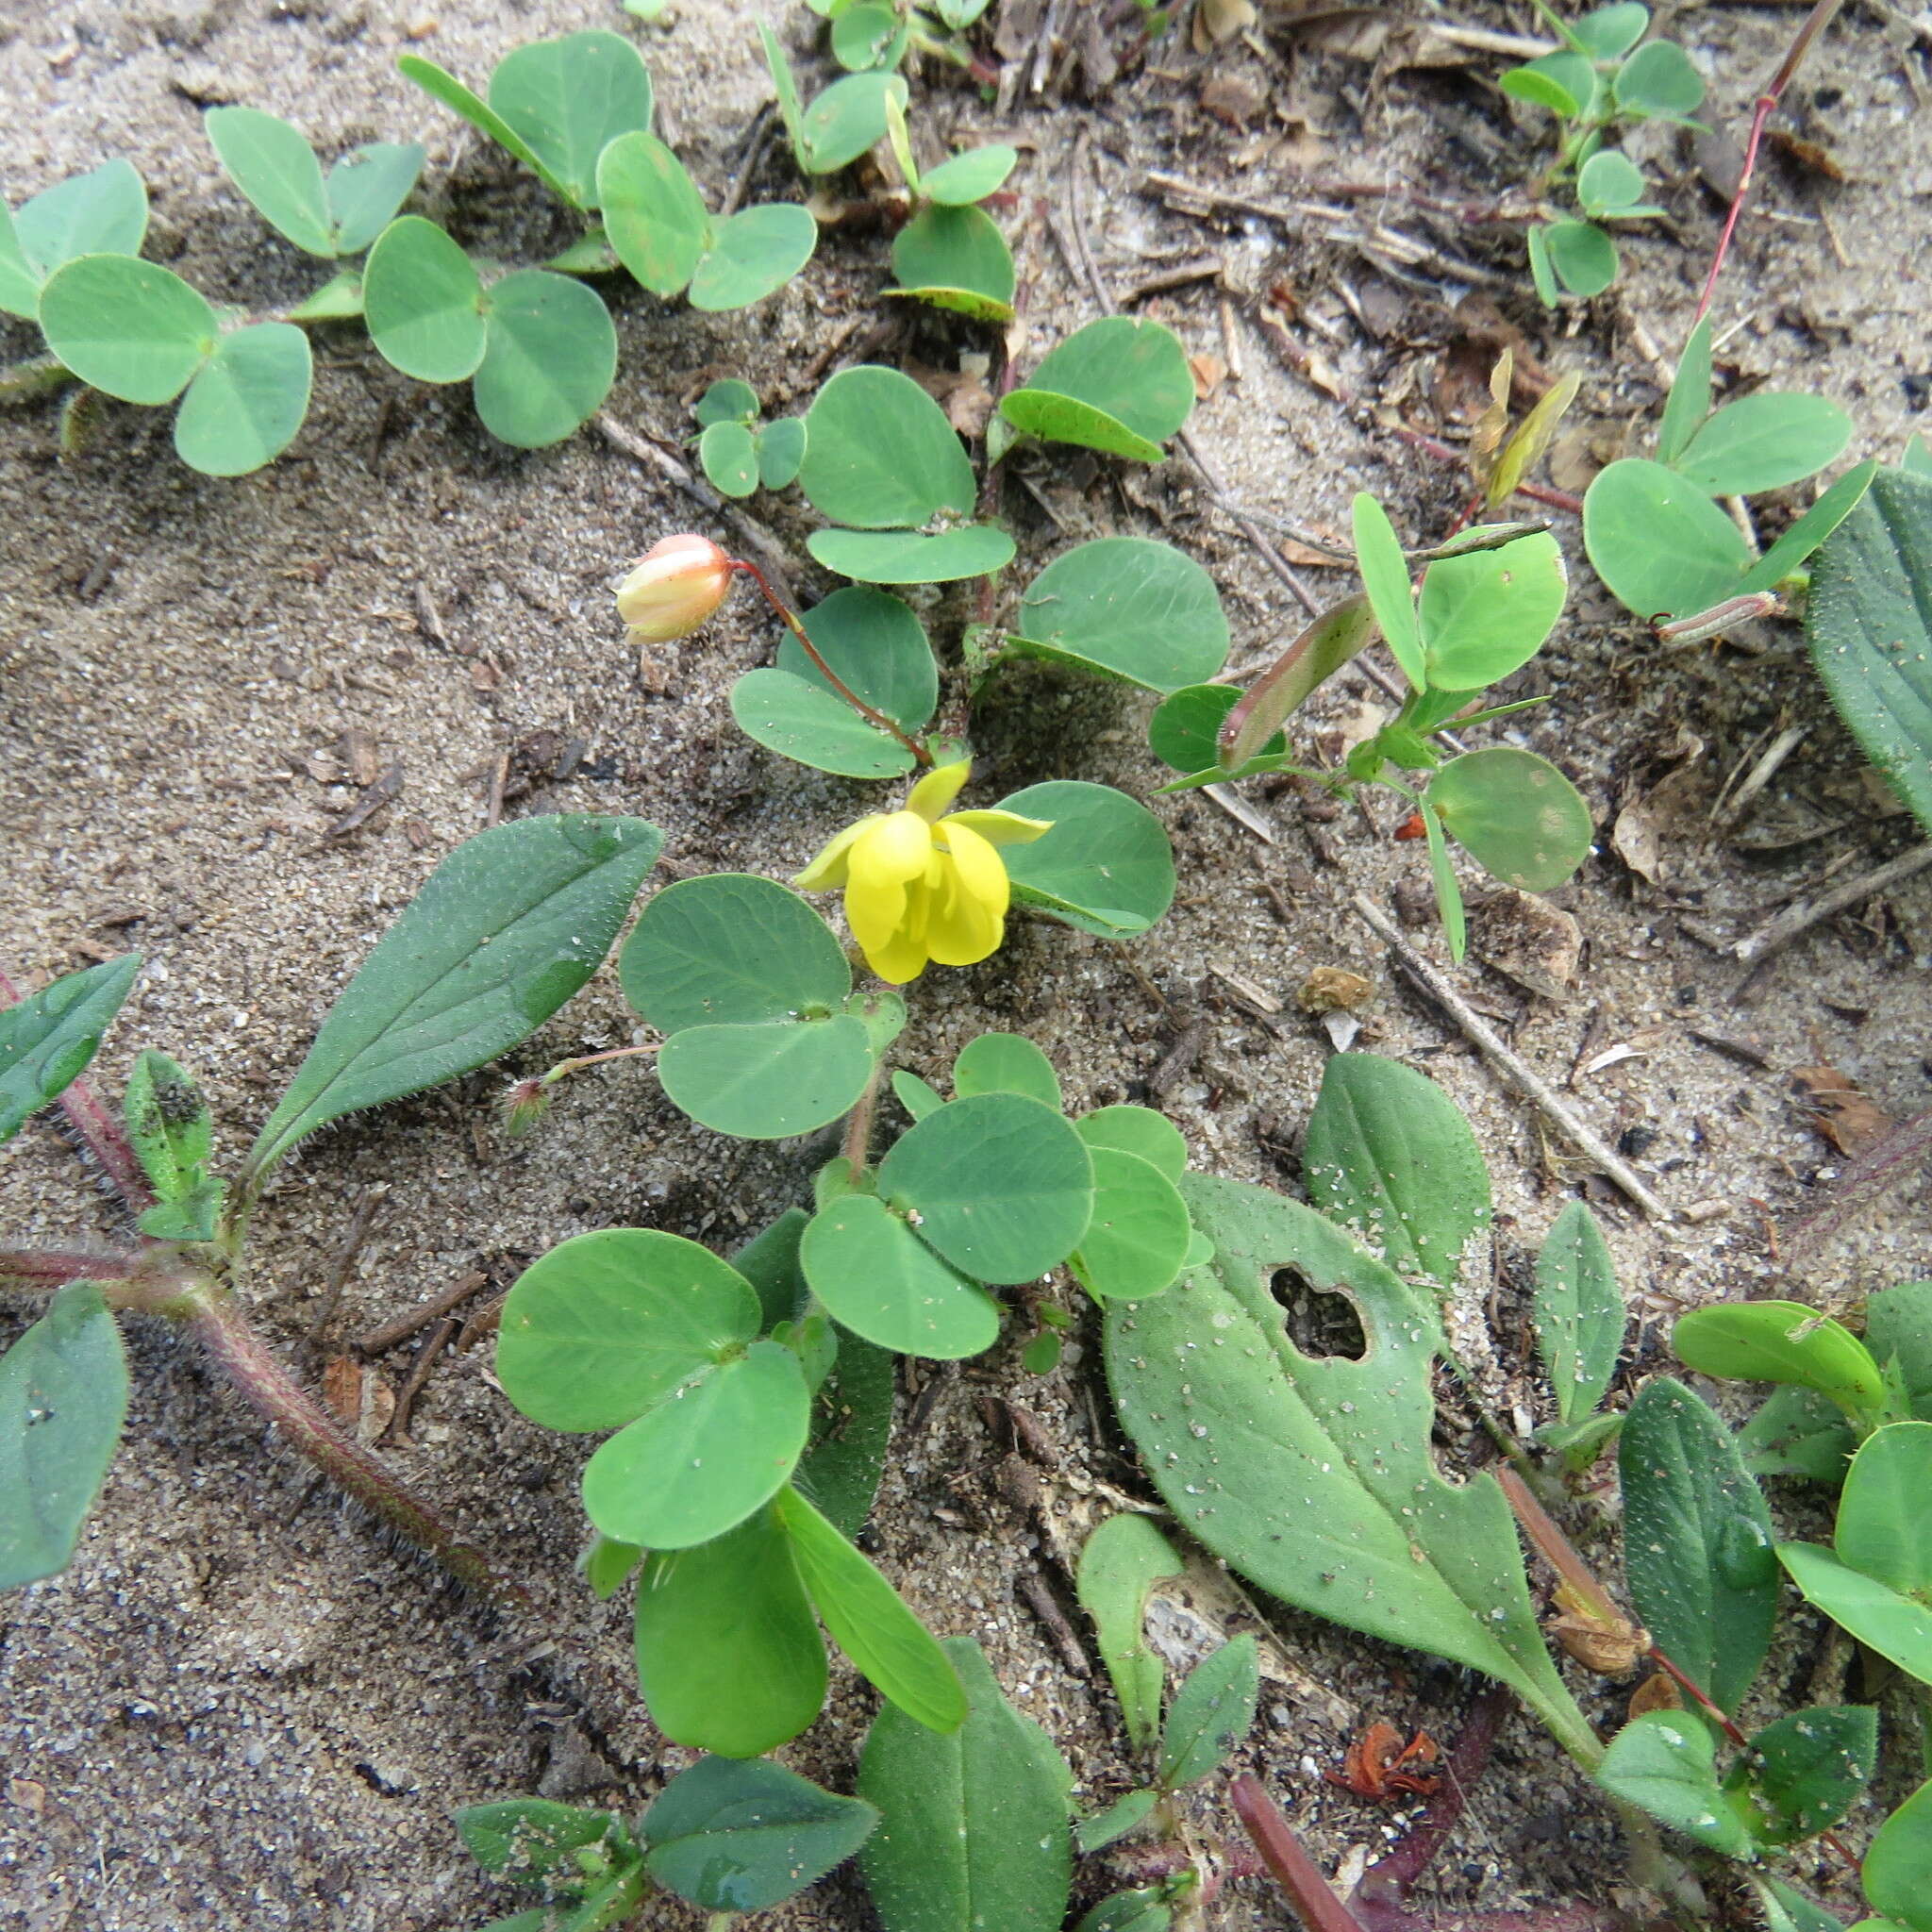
(730, 458)
(768, 1081)
(1659, 543)
(1763, 443)
(752, 255)
(956, 257)
(365, 189)
(862, 36)
(1120, 385)
(1898, 1867)
(130, 328)
(1005, 1063)
(1608, 183)
(550, 359)
(1515, 814)
(245, 408)
(701, 1463)
(1137, 1130)
(801, 721)
(875, 643)
(1658, 78)
(653, 213)
(730, 947)
(607, 1325)
(1608, 31)
(100, 213)
(1128, 607)
(878, 1278)
(1003, 1187)
(1487, 612)
(569, 99)
(1564, 82)
(1583, 257)
(1106, 867)
(781, 450)
(1883, 1528)
(911, 557)
(970, 176)
(276, 169)
(728, 400)
(729, 1652)
(423, 301)
(880, 455)
(845, 119)
(1185, 729)
(1139, 1235)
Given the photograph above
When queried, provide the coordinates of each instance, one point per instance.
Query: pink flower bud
(673, 588)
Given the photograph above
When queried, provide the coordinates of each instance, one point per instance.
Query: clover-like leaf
(969, 175)
(956, 257)
(1485, 613)
(248, 402)
(1120, 385)
(880, 454)
(1128, 607)
(127, 328)
(423, 301)
(1761, 442)
(567, 100)
(549, 358)
(100, 213)
(1104, 866)
(1139, 1235)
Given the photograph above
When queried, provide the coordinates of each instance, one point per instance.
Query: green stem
(36, 377)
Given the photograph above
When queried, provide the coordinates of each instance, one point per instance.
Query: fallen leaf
(1659, 1691)
(1233, 98)
(1217, 20)
(1637, 839)
(1526, 939)
(1210, 373)
(1379, 1766)
(342, 1389)
(1332, 989)
(1840, 1110)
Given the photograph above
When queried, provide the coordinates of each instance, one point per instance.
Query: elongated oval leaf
(276, 169)
(1385, 582)
(245, 407)
(1781, 1341)
(1313, 1475)
(729, 1652)
(968, 176)
(730, 948)
(892, 1650)
(423, 301)
(878, 1278)
(1661, 546)
(1893, 1625)
(567, 99)
(1762, 443)
(1486, 613)
(1106, 867)
(1128, 607)
(737, 1837)
(913, 556)
(130, 328)
(1515, 813)
(1120, 1564)
(1882, 1521)
(1579, 1312)
(1898, 1867)
(1389, 1153)
(47, 1038)
(505, 931)
(1664, 1763)
(63, 1396)
(1213, 1713)
(1002, 1186)
(549, 358)
(1688, 402)
(973, 1826)
(799, 718)
(1697, 1545)
(880, 455)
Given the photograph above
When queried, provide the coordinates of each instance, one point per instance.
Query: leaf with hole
(130, 328)
(549, 358)
(1697, 1546)
(1106, 867)
(1313, 1475)
(729, 1653)
(1579, 1312)
(1664, 1763)
(1120, 385)
(100, 213)
(1515, 814)
(246, 404)
(1801, 1774)
(1389, 1155)
(63, 1397)
(47, 1040)
(890, 1648)
(505, 931)
(740, 1838)
(968, 176)
(423, 301)
(1486, 613)
(1762, 443)
(877, 1277)
(1138, 1241)
(1125, 607)
(1870, 634)
(957, 258)
(1213, 1710)
(1003, 1187)
(973, 1828)
(1120, 1563)
(1781, 1341)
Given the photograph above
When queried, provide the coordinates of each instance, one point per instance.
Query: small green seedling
(950, 253)
(840, 124)
(1489, 601)
(1120, 385)
(1580, 1318)
(738, 453)
(1599, 80)
(868, 34)
(102, 213)
(1656, 536)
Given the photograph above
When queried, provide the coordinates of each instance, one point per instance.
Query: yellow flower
(919, 887)
(673, 587)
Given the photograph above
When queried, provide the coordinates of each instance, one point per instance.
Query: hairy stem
(858, 1147)
(868, 712)
(32, 1271)
(23, 381)
(1309, 1892)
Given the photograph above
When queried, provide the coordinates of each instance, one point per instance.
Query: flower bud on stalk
(673, 588)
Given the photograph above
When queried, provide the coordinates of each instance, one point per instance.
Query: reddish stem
(96, 1127)
(1556, 499)
(1389, 1879)
(865, 711)
(1815, 22)
(1309, 1892)
(40, 1272)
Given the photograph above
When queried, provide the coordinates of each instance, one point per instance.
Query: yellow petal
(899, 960)
(894, 850)
(828, 870)
(980, 871)
(1001, 827)
(962, 929)
(938, 789)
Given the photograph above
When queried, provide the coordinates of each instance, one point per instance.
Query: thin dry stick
(1510, 1065)
(397, 1434)
(379, 1341)
(1815, 22)
(1801, 918)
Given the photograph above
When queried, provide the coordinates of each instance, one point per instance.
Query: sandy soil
(240, 1707)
